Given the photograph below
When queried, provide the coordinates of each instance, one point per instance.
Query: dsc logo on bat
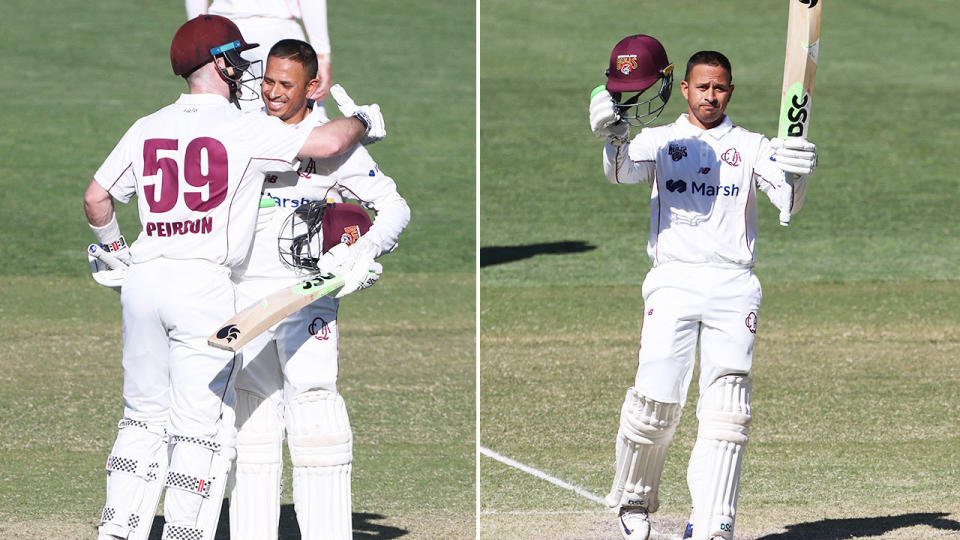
(797, 114)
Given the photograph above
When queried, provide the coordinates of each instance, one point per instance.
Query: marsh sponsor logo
(284, 202)
(705, 190)
(715, 191)
(678, 186)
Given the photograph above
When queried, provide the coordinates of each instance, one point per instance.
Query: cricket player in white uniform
(196, 168)
(704, 172)
(267, 22)
(289, 379)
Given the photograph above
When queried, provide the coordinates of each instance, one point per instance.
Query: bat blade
(256, 319)
(799, 68)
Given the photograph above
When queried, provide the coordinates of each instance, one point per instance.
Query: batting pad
(713, 474)
(321, 449)
(255, 491)
(646, 429)
(196, 480)
(135, 472)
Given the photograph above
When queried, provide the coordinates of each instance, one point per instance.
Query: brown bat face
(707, 91)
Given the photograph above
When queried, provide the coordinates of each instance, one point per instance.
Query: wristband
(109, 236)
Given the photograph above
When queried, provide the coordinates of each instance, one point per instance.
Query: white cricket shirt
(312, 13)
(353, 175)
(197, 167)
(703, 207)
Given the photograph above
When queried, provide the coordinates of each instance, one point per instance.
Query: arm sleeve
(116, 174)
(278, 143)
(630, 163)
(360, 177)
(196, 8)
(786, 192)
(314, 18)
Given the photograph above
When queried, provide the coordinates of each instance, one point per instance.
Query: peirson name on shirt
(175, 228)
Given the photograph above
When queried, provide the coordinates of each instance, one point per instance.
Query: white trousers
(298, 354)
(169, 308)
(686, 306)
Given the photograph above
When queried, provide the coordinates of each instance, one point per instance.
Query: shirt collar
(202, 99)
(716, 133)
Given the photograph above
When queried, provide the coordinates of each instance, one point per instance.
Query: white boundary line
(540, 474)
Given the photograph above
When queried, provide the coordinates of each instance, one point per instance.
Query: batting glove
(107, 268)
(794, 156)
(605, 120)
(370, 115)
(355, 264)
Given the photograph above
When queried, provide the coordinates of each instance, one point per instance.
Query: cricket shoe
(634, 523)
(688, 533)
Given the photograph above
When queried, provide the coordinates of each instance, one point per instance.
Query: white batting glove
(604, 120)
(268, 209)
(357, 267)
(794, 156)
(370, 115)
(107, 268)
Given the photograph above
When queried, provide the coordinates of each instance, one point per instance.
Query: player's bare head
(289, 80)
(709, 58)
(298, 51)
(707, 88)
(211, 39)
(636, 63)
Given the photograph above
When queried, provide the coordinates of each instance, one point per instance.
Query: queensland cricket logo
(318, 329)
(350, 235)
(731, 157)
(229, 332)
(627, 63)
(751, 322)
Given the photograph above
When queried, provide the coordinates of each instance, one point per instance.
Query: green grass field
(855, 375)
(76, 76)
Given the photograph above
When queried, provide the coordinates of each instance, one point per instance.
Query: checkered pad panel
(121, 464)
(107, 514)
(129, 422)
(177, 532)
(204, 443)
(189, 483)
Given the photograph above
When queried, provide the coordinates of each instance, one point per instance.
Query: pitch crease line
(540, 474)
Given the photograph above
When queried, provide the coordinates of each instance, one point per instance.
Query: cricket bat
(256, 319)
(799, 68)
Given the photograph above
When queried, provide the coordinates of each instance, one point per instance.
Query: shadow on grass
(364, 525)
(837, 529)
(492, 255)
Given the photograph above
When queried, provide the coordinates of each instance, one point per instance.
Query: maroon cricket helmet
(200, 39)
(343, 223)
(636, 63)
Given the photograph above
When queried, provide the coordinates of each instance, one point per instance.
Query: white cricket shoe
(634, 523)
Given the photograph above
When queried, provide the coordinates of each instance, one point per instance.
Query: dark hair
(710, 58)
(298, 51)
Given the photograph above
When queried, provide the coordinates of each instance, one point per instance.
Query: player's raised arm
(361, 124)
(637, 63)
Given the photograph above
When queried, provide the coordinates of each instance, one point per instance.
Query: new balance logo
(229, 332)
